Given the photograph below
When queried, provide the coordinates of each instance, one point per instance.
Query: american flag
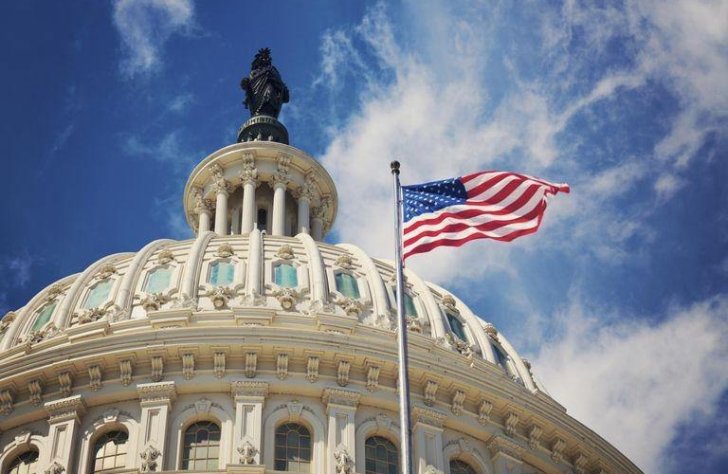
(488, 205)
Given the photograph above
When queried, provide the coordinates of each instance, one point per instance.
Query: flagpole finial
(394, 166)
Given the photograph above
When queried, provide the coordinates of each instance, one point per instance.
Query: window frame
(311, 438)
(220, 442)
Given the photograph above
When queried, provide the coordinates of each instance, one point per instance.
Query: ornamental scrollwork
(287, 297)
(220, 296)
(247, 453)
(154, 301)
(344, 461)
(352, 307)
(149, 458)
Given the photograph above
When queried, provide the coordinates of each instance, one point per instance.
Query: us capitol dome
(258, 348)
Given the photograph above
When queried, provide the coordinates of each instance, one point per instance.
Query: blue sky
(620, 300)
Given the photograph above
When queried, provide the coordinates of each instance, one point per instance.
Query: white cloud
(181, 102)
(145, 26)
(634, 382)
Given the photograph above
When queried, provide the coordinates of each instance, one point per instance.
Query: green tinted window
(456, 326)
(221, 273)
(158, 280)
(347, 285)
(44, 315)
(285, 275)
(98, 294)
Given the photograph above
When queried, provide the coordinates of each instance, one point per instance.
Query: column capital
(249, 173)
(65, 409)
(307, 190)
(159, 392)
(247, 389)
(340, 397)
(428, 416)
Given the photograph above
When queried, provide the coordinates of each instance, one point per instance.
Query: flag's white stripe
(515, 195)
(473, 221)
(482, 178)
(496, 233)
(494, 189)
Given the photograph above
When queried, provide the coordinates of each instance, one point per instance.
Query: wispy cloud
(16, 272)
(145, 26)
(604, 367)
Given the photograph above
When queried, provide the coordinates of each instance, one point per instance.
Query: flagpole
(404, 395)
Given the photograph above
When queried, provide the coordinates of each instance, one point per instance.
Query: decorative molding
(372, 378)
(580, 462)
(248, 388)
(557, 449)
(154, 301)
(285, 252)
(218, 364)
(157, 392)
(6, 320)
(295, 408)
(428, 416)
(312, 369)
(249, 173)
(344, 261)
(247, 453)
(251, 364)
(65, 408)
(344, 463)
(225, 250)
(337, 396)
(500, 445)
(220, 296)
(157, 368)
(105, 271)
(490, 330)
(281, 176)
(342, 373)
(509, 423)
(90, 315)
(430, 469)
(352, 307)
(287, 298)
(188, 365)
(448, 303)
(55, 468)
(36, 392)
(534, 437)
(94, 377)
(457, 402)
(65, 383)
(282, 366)
(165, 256)
(484, 411)
(149, 459)
(430, 392)
(6, 402)
(125, 371)
(203, 405)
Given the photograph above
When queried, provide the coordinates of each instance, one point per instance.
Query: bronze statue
(265, 91)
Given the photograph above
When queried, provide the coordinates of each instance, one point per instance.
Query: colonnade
(244, 218)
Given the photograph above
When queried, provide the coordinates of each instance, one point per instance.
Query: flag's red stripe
(487, 226)
(458, 242)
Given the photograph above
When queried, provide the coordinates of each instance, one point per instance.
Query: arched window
(285, 275)
(201, 449)
(98, 294)
(381, 456)
(456, 326)
(110, 452)
(44, 315)
(292, 451)
(26, 463)
(461, 467)
(221, 273)
(158, 280)
(347, 285)
(500, 358)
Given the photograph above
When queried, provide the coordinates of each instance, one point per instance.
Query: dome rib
(433, 309)
(319, 295)
(62, 318)
(379, 292)
(131, 277)
(191, 275)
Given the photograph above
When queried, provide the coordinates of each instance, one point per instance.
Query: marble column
(279, 208)
(317, 221)
(64, 420)
(427, 439)
(156, 403)
(249, 178)
(341, 409)
(249, 397)
(303, 214)
(221, 205)
(202, 210)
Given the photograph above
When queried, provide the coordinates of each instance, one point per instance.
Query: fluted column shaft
(221, 211)
(204, 223)
(248, 223)
(304, 204)
(279, 208)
